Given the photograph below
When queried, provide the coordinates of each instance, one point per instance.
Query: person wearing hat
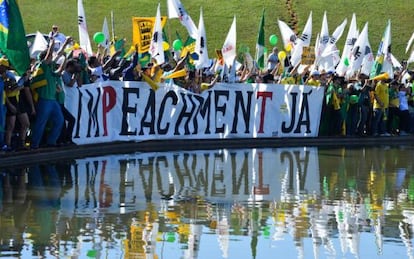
(58, 37)
(314, 78)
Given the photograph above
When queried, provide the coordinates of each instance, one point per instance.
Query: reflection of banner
(221, 176)
(132, 111)
(142, 31)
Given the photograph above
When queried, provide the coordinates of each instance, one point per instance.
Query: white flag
(323, 39)
(105, 31)
(360, 50)
(331, 46)
(303, 41)
(330, 56)
(288, 35)
(177, 10)
(367, 61)
(395, 62)
(410, 41)
(411, 58)
(156, 49)
(201, 45)
(84, 41)
(349, 44)
(229, 46)
(39, 45)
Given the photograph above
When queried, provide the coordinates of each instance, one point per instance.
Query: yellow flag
(142, 31)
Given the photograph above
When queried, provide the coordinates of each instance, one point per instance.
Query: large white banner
(132, 111)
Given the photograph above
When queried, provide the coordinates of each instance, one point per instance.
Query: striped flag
(383, 51)
(84, 41)
(177, 10)
(260, 45)
(13, 41)
(156, 48)
(229, 46)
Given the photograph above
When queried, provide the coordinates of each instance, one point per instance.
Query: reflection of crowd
(35, 103)
(46, 204)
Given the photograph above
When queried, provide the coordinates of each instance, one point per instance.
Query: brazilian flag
(13, 41)
(383, 51)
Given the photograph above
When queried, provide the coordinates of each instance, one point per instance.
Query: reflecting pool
(239, 203)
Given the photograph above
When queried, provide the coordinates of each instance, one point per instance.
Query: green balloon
(98, 37)
(353, 99)
(273, 39)
(177, 45)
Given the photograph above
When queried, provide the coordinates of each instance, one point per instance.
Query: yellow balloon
(281, 55)
(76, 46)
(288, 47)
(165, 45)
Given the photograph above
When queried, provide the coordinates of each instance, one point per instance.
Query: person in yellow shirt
(314, 78)
(380, 108)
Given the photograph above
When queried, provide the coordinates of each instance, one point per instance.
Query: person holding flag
(47, 106)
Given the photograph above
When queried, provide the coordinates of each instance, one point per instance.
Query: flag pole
(113, 26)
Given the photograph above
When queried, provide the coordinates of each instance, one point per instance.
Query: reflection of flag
(177, 10)
(201, 45)
(383, 51)
(84, 40)
(156, 49)
(229, 46)
(13, 37)
(260, 44)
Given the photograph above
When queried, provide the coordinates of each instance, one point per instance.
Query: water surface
(241, 203)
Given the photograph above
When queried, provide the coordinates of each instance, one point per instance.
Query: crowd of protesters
(33, 111)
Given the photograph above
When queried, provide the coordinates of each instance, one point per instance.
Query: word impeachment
(132, 111)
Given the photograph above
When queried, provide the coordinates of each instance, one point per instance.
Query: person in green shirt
(47, 108)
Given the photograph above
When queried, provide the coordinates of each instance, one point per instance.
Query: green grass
(218, 15)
